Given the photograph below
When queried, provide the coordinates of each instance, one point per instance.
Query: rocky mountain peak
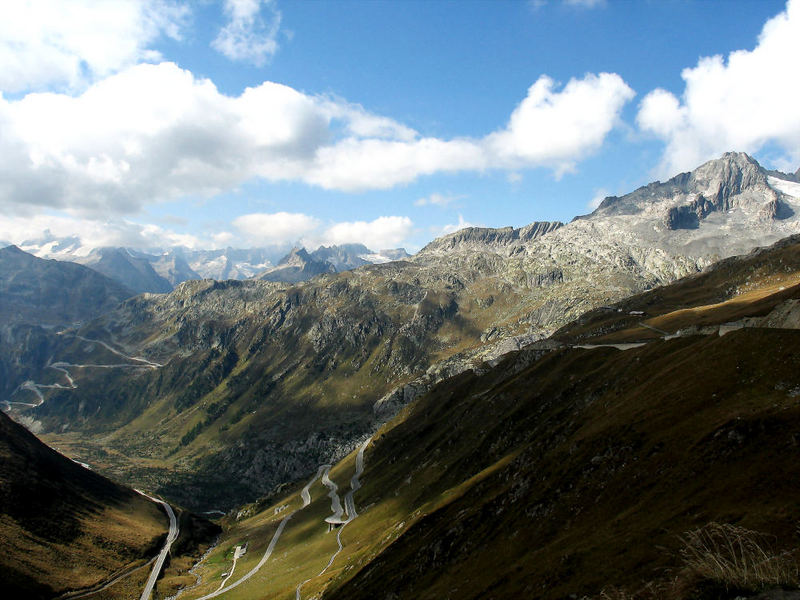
(298, 257)
(12, 250)
(733, 182)
(727, 176)
(296, 266)
(344, 256)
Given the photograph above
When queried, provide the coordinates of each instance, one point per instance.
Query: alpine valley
(555, 411)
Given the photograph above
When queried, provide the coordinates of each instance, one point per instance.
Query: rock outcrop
(257, 366)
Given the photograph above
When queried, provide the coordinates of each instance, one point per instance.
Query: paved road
(336, 503)
(171, 537)
(305, 494)
(145, 361)
(624, 346)
(32, 386)
(350, 507)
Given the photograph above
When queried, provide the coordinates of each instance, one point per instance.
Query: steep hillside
(130, 270)
(52, 293)
(757, 289)
(63, 526)
(571, 472)
(195, 388)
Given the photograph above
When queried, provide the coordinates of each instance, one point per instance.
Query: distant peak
(740, 157)
(297, 257)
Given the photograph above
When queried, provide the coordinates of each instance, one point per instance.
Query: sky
(252, 123)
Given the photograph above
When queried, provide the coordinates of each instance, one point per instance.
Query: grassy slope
(746, 286)
(65, 527)
(618, 454)
(569, 472)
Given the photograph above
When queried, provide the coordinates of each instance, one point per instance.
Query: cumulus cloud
(155, 132)
(557, 128)
(79, 234)
(383, 232)
(149, 133)
(70, 234)
(265, 229)
(743, 103)
(585, 3)
(68, 44)
(537, 4)
(252, 31)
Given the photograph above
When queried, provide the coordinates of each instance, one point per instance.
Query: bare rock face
(296, 266)
(483, 238)
(258, 368)
(130, 270)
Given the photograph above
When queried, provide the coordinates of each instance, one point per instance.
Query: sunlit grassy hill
(574, 472)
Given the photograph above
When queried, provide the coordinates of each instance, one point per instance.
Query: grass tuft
(737, 558)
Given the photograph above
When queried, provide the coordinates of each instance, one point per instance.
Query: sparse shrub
(737, 558)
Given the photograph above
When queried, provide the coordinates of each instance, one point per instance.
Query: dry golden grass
(737, 558)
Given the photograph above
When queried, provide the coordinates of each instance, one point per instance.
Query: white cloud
(52, 42)
(361, 123)
(89, 233)
(437, 200)
(250, 35)
(154, 132)
(380, 233)
(537, 4)
(265, 229)
(556, 129)
(742, 103)
(585, 3)
(75, 234)
(452, 227)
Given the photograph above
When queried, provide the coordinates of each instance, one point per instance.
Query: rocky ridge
(245, 358)
(296, 266)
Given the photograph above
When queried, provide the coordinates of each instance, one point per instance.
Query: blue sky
(155, 123)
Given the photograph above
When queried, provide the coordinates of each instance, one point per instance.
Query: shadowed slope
(63, 526)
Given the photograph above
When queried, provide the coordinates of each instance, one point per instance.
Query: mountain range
(259, 381)
(459, 375)
(159, 272)
(646, 450)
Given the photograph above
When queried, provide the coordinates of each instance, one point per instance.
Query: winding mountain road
(162, 556)
(144, 361)
(350, 506)
(36, 388)
(305, 494)
(336, 503)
